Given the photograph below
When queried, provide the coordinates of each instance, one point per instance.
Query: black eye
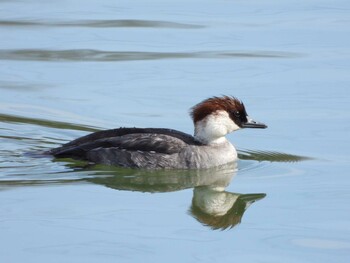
(237, 113)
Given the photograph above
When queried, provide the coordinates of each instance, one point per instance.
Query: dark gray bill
(254, 124)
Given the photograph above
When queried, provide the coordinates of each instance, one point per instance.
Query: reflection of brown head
(231, 218)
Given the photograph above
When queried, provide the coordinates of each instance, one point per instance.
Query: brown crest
(232, 105)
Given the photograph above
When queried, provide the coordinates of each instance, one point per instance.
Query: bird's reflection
(219, 209)
(211, 204)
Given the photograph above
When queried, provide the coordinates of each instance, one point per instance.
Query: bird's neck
(211, 130)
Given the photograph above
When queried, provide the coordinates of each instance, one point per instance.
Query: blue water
(73, 67)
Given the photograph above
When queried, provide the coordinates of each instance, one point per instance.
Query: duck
(163, 148)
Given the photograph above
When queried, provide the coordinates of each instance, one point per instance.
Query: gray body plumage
(147, 148)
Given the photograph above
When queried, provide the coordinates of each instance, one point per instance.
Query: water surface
(71, 68)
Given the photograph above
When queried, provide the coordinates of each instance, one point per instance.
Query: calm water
(72, 67)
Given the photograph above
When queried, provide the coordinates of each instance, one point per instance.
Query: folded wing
(129, 147)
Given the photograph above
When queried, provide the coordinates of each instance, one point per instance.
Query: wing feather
(157, 143)
(125, 131)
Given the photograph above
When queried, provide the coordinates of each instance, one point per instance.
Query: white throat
(213, 128)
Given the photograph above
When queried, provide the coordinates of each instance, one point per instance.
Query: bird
(162, 148)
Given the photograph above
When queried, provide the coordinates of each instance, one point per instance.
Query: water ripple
(45, 123)
(271, 156)
(99, 24)
(99, 55)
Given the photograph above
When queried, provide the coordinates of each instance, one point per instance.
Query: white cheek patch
(215, 126)
(234, 127)
(222, 118)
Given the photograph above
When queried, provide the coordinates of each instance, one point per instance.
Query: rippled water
(70, 68)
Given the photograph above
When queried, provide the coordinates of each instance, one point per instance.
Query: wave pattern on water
(99, 23)
(46, 123)
(99, 55)
(271, 156)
